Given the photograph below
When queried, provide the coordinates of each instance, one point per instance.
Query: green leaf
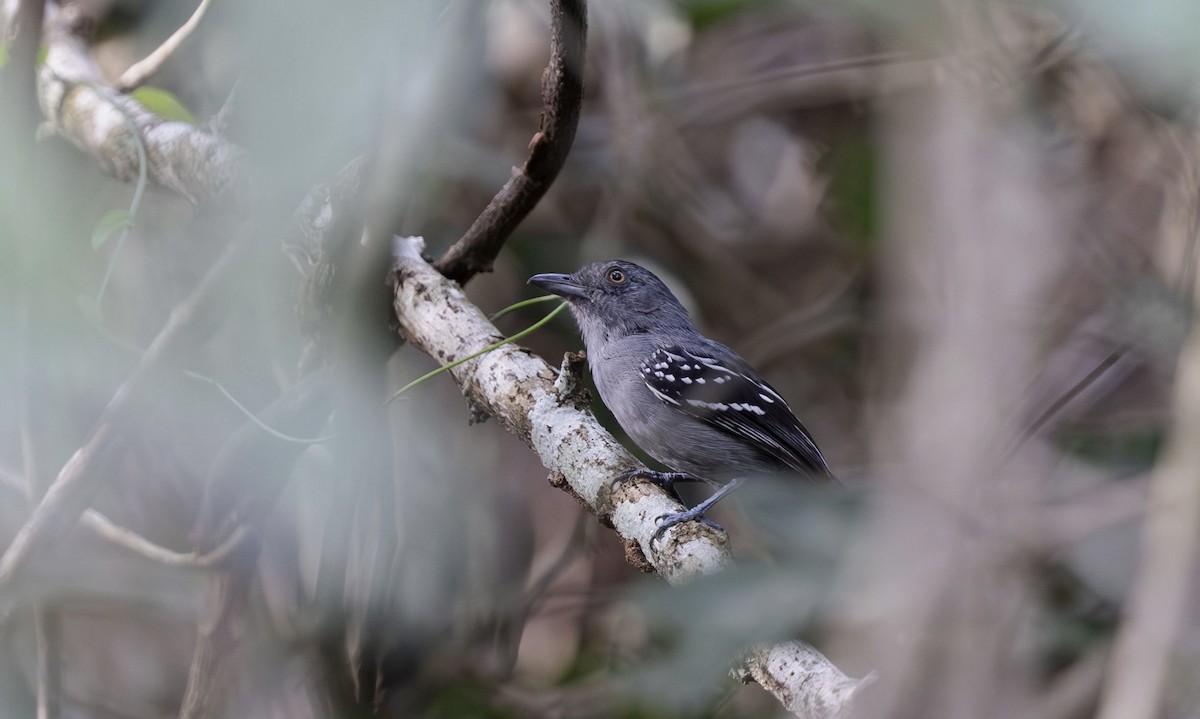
(112, 221)
(163, 103)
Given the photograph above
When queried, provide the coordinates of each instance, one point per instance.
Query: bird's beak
(561, 285)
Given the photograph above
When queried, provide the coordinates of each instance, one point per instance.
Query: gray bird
(688, 401)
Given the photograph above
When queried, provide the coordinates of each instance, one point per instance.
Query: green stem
(250, 415)
(523, 303)
(535, 326)
(138, 190)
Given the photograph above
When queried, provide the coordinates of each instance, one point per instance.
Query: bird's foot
(666, 480)
(666, 521)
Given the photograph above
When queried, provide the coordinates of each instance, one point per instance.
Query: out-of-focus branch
(23, 31)
(236, 507)
(80, 479)
(1170, 543)
(801, 678)
(181, 157)
(538, 405)
(48, 623)
(562, 96)
(136, 543)
(141, 71)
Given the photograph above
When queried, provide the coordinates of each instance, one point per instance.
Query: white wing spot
(719, 406)
(686, 380)
(699, 380)
(766, 398)
(669, 378)
(662, 396)
(720, 380)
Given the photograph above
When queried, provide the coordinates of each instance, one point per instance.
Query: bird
(688, 401)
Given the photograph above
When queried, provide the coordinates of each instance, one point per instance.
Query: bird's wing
(730, 396)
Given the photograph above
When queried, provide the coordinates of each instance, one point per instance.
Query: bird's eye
(615, 276)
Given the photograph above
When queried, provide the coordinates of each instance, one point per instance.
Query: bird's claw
(666, 480)
(666, 521)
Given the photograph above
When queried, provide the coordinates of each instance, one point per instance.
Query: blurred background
(959, 237)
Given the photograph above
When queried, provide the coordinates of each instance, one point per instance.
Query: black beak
(556, 284)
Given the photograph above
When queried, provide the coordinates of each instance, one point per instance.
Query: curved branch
(562, 96)
(801, 678)
(138, 73)
(76, 104)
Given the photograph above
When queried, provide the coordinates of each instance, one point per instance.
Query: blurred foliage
(163, 103)
(109, 223)
(705, 13)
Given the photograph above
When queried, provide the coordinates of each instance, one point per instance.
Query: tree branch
(801, 678)
(537, 405)
(1158, 605)
(141, 71)
(76, 104)
(79, 480)
(562, 96)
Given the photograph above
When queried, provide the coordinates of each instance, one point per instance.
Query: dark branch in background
(562, 96)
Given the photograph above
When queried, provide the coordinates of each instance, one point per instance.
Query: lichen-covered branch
(95, 118)
(518, 388)
(802, 679)
(562, 97)
(538, 404)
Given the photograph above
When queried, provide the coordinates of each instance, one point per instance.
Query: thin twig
(136, 543)
(1158, 607)
(48, 625)
(141, 71)
(71, 492)
(562, 96)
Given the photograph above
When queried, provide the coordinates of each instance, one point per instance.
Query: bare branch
(802, 679)
(81, 477)
(1158, 605)
(562, 96)
(181, 157)
(48, 624)
(141, 71)
(136, 543)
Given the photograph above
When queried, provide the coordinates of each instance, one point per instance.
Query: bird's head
(614, 299)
